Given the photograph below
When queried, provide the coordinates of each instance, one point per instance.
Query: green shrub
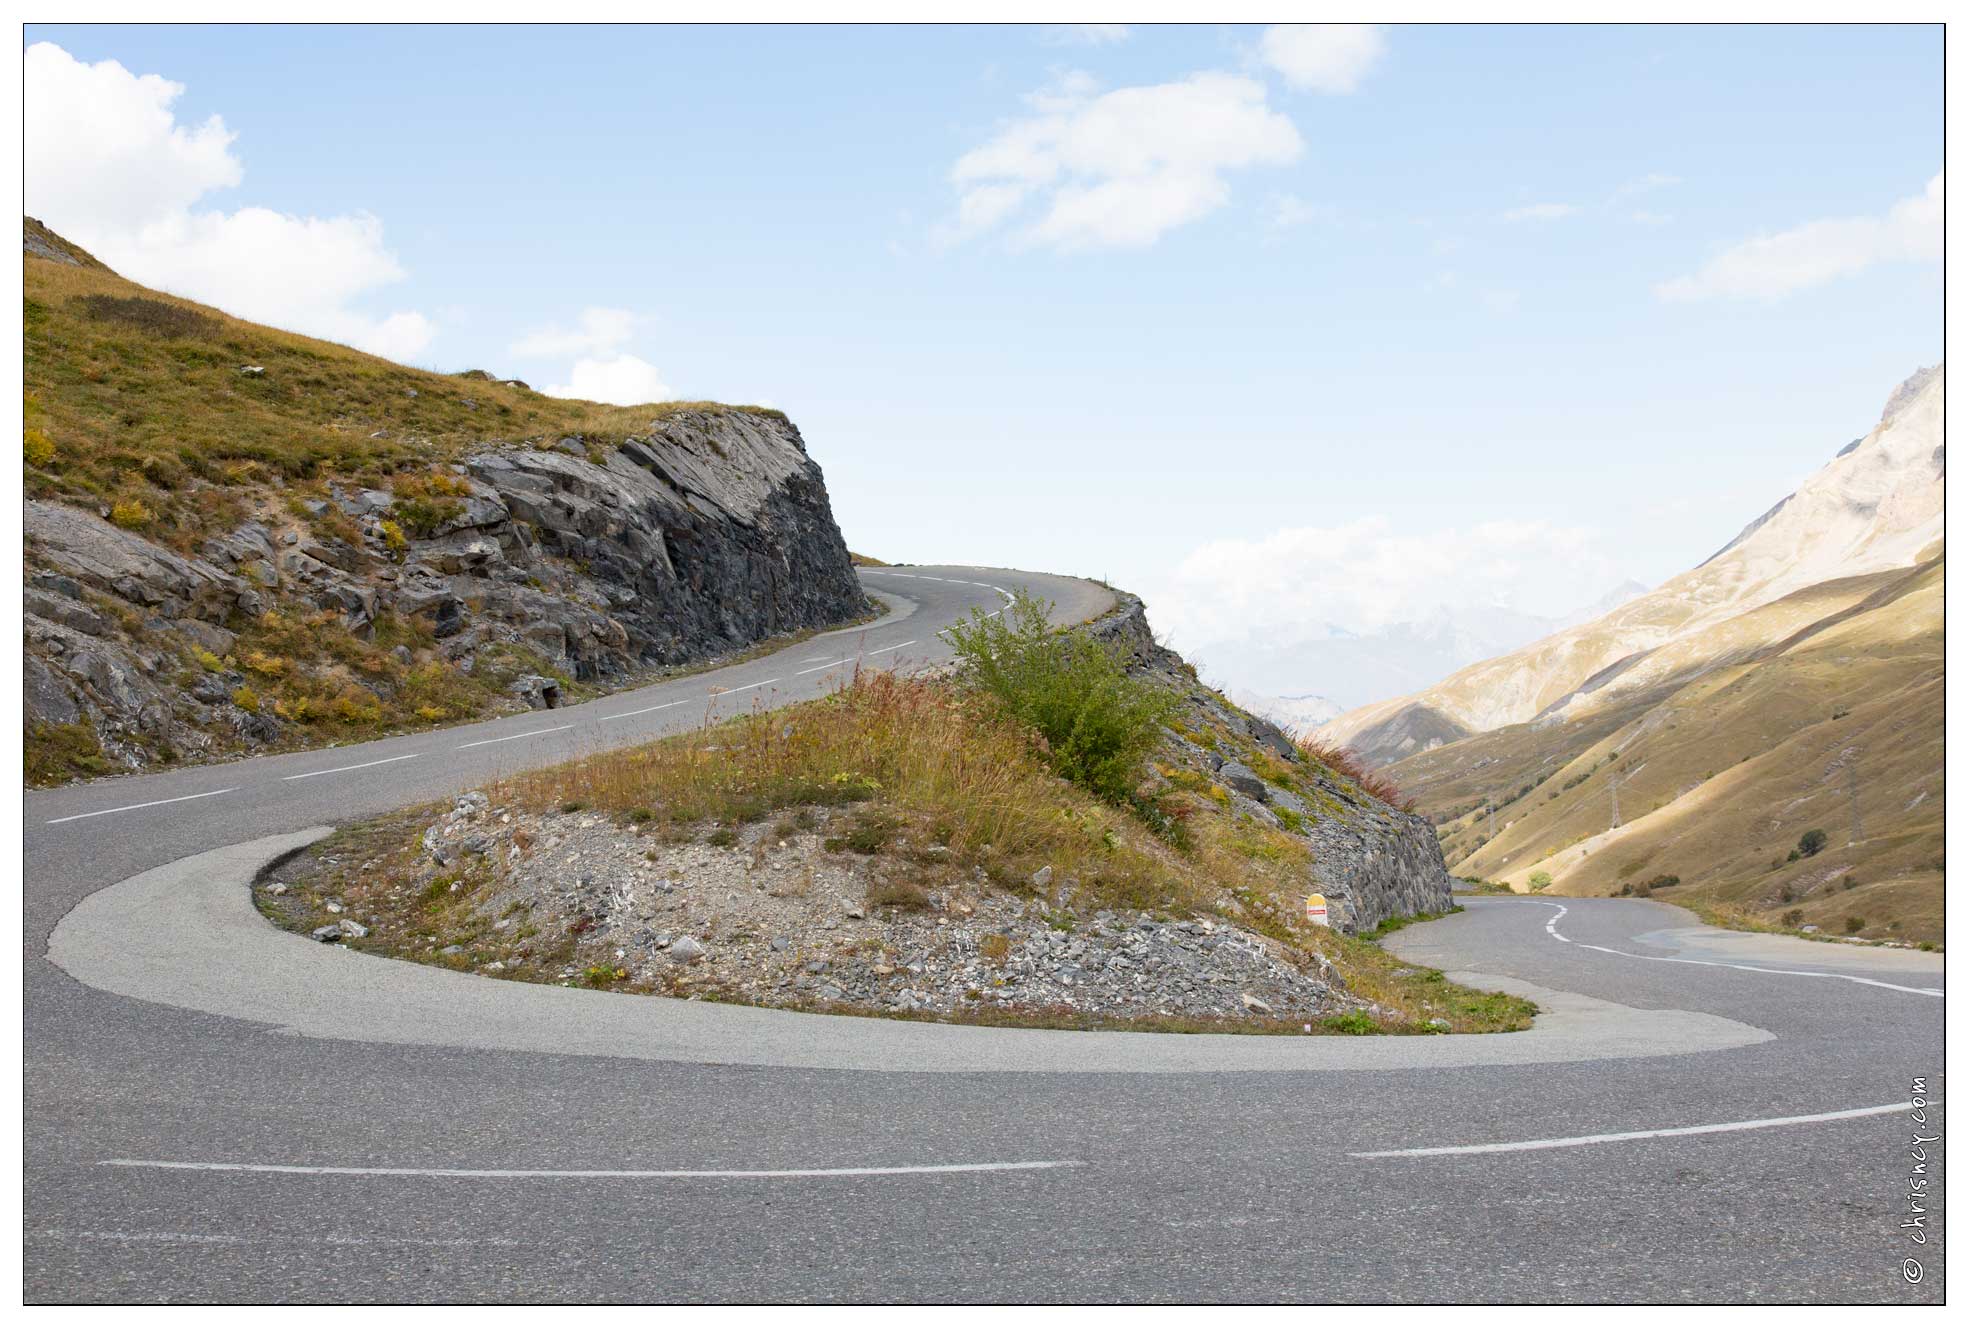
(1538, 881)
(422, 516)
(1854, 923)
(1098, 723)
(1811, 842)
(40, 449)
(1792, 917)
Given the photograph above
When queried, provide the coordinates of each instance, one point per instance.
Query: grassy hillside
(142, 403)
(1726, 764)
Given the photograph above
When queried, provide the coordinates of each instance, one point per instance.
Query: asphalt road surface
(216, 1111)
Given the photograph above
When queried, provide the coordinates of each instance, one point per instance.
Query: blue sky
(1311, 327)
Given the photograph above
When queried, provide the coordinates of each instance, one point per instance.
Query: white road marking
(662, 706)
(743, 687)
(132, 807)
(829, 665)
(1575, 1141)
(531, 733)
(285, 1239)
(363, 766)
(523, 1174)
(1552, 926)
(886, 649)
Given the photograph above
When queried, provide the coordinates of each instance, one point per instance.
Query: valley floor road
(208, 1118)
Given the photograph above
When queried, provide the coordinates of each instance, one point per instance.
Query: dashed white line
(661, 706)
(743, 687)
(361, 766)
(1552, 927)
(829, 665)
(132, 807)
(886, 649)
(1615, 1137)
(531, 733)
(523, 1174)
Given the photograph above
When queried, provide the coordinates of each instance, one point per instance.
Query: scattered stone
(1245, 780)
(1043, 878)
(684, 950)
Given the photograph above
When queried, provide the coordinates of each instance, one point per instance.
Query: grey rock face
(696, 538)
(1371, 861)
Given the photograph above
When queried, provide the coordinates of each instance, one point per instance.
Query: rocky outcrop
(703, 535)
(1372, 861)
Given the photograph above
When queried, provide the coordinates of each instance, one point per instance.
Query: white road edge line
(1552, 927)
(1575, 1141)
(520, 1174)
(531, 733)
(132, 807)
(337, 770)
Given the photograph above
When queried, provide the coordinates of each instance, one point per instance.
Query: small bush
(395, 540)
(423, 516)
(724, 837)
(898, 894)
(870, 834)
(40, 449)
(132, 514)
(995, 947)
(1854, 923)
(246, 699)
(1792, 917)
(1539, 880)
(1353, 1022)
(1098, 723)
(1811, 842)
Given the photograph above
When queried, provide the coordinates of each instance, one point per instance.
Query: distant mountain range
(1790, 682)
(1295, 715)
(1351, 668)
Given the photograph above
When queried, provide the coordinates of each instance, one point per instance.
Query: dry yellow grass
(937, 771)
(140, 399)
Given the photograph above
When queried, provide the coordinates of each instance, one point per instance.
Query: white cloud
(600, 330)
(1772, 266)
(1642, 184)
(108, 164)
(1120, 168)
(1323, 57)
(1084, 34)
(1365, 576)
(1288, 210)
(602, 371)
(1541, 212)
(622, 380)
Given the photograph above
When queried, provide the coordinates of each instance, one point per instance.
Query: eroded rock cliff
(1371, 861)
(566, 560)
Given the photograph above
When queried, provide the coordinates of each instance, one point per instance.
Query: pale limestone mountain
(1874, 507)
